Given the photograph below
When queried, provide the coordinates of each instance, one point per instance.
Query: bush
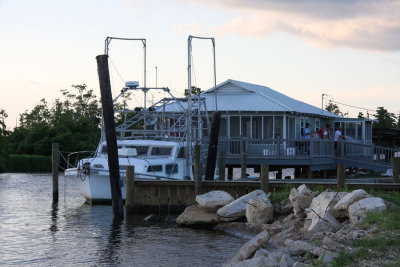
(28, 163)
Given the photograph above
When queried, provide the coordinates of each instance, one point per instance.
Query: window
(171, 168)
(161, 151)
(223, 130)
(235, 126)
(141, 150)
(317, 125)
(154, 168)
(246, 126)
(256, 125)
(181, 153)
(278, 126)
(268, 127)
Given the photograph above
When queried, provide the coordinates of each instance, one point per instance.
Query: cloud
(360, 24)
(193, 29)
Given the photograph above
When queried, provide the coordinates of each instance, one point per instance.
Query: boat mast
(188, 152)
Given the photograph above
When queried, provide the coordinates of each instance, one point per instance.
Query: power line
(367, 109)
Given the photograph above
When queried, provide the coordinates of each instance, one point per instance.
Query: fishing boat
(157, 140)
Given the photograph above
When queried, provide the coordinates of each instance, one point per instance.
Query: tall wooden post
(341, 175)
(111, 136)
(55, 160)
(221, 165)
(243, 165)
(396, 169)
(309, 172)
(264, 177)
(130, 189)
(213, 146)
(197, 170)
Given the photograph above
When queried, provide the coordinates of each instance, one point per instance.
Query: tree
(385, 119)
(333, 108)
(195, 91)
(361, 115)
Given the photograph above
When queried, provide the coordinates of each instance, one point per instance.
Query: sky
(348, 50)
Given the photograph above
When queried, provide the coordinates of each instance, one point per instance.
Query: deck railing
(306, 149)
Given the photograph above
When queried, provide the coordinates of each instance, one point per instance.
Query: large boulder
(193, 216)
(324, 202)
(300, 198)
(298, 247)
(343, 204)
(214, 199)
(259, 210)
(237, 209)
(359, 210)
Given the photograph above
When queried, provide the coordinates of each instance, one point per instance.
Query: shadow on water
(110, 254)
(54, 215)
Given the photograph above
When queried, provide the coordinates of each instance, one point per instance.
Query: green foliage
(195, 91)
(386, 119)
(73, 122)
(28, 163)
(333, 108)
(277, 196)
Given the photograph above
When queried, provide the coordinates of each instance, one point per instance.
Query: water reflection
(54, 214)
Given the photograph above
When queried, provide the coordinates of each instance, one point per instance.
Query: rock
(285, 207)
(289, 233)
(214, 199)
(300, 198)
(197, 217)
(343, 204)
(325, 202)
(248, 230)
(324, 255)
(286, 261)
(237, 209)
(356, 234)
(359, 210)
(261, 252)
(255, 262)
(152, 218)
(259, 211)
(324, 222)
(330, 244)
(250, 247)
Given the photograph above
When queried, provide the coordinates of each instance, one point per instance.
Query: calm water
(33, 232)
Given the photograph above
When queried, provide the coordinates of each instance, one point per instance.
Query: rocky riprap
(308, 228)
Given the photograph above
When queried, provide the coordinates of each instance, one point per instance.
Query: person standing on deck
(338, 135)
(307, 136)
(325, 132)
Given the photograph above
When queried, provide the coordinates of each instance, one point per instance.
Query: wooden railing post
(396, 169)
(221, 165)
(55, 160)
(341, 175)
(130, 189)
(243, 165)
(264, 177)
(197, 170)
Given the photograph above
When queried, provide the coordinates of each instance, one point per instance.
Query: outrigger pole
(188, 152)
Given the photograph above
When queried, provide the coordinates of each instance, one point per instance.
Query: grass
(382, 245)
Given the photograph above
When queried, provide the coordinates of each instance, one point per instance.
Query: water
(34, 232)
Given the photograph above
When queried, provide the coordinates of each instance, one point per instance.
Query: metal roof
(234, 95)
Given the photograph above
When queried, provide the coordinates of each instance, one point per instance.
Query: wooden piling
(309, 172)
(243, 166)
(264, 177)
(341, 175)
(221, 165)
(230, 173)
(213, 146)
(197, 170)
(396, 169)
(55, 159)
(111, 137)
(130, 189)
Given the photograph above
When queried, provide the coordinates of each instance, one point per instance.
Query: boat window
(141, 150)
(171, 168)
(181, 153)
(104, 149)
(154, 168)
(161, 151)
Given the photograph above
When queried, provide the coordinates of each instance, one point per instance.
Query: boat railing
(75, 157)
